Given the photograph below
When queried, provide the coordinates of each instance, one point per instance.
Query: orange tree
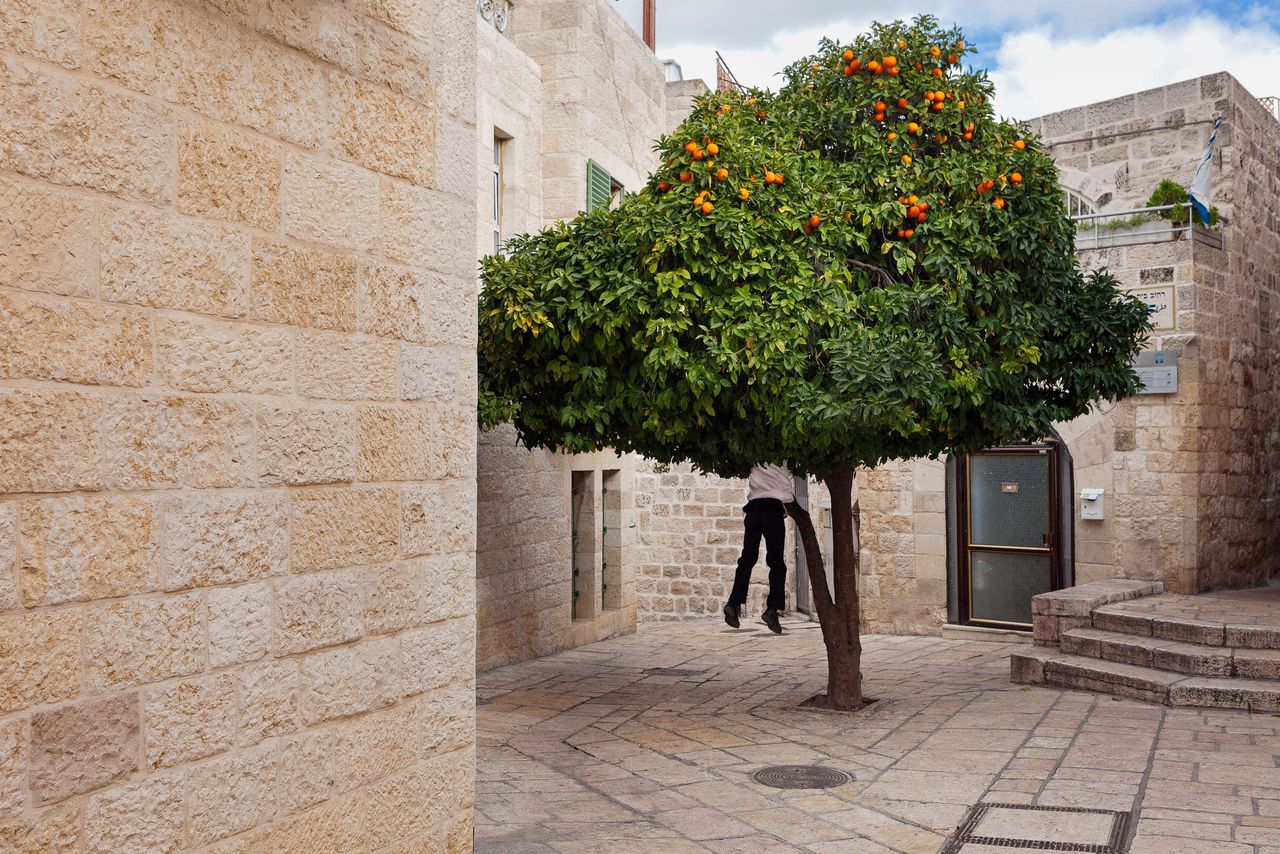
(865, 265)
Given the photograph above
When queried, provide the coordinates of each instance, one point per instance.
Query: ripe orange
(699, 154)
(691, 146)
(663, 186)
(713, 149)
(848, 71)
(777, 178)
(912, 127)
(848, 56)
(913, 200)
(909, 233)
(999, 203)
(1016, 177)
(960, 105)
(1020, 145)
(721, 174)
(894, 70)
(892, 136)
(913, 211)
(707, 207)
(880, 106)
(935, 51)
(744, 194)
(904, 103)
(769, 177)
(922, 217)
(686, 176)
(875, 67)
(902, 233)
(952, 59)
(937, 72)
(968, 135)
(815, 221)
(906, 160)
(890, 61)
(856, 66)
(901, 43)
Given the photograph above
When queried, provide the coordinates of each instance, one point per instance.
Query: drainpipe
(650, 36)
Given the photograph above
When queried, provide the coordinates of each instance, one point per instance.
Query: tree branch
(884, 274)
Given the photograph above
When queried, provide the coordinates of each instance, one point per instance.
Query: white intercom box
(1091, 504)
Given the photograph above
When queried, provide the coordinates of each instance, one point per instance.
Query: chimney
(650, 37)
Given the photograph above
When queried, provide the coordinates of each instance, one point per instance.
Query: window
(499, 151)
(1076, 204)
(602, 189)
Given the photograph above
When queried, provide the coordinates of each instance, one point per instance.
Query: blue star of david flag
(1198, 192)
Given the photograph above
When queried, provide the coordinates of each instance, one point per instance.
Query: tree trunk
(839, 615)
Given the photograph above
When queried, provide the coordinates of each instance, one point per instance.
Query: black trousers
(764, 517)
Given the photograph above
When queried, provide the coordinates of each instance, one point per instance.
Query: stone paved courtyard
(584, 751)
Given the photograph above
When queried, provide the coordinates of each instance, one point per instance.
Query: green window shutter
(599, 187)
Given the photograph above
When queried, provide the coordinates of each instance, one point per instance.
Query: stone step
(1174, 656)
(1046, 666)
(1123, 618)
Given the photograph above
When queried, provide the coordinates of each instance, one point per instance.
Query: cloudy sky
(1043, 55)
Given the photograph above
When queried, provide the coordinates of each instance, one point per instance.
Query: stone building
(570, 102)
(237, 444)
(1186, 476)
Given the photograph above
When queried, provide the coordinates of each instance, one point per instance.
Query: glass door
(1009, 533)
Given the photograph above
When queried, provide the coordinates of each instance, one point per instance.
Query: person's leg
(752, 531)
(774, 525)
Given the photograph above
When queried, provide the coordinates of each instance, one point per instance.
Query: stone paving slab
(585, 752)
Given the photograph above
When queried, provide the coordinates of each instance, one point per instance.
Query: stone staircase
(1130, 639)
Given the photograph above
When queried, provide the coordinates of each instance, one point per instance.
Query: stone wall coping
(1080, 600)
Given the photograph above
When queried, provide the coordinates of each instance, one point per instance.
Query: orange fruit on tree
(894, 71)
(744, 194)
(937, 72)
(999, 203)
(722, 173)
(815, 221)
(952, 59)
(935, 51)
(912, 127)
(901, 43)
(777, 178)
(968, 135)
(906, 160)
(848, 71)
(856, 66)
(1016, 177)
(909, 233)
(699, 154)
(892, 136)
(881, 106)
(890, 61)
(848, 216)
(1020, 145)
(923, 216)
(848, 56)
(691, 146)
(663, 186)
(904, 103)
(713, 149)
(913, 211)
(768, 177)
(707, 207)
(686, 176)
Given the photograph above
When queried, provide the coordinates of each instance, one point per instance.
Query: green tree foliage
(864, 265)
(1169, 192)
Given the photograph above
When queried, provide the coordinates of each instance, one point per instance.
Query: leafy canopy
(864, 265)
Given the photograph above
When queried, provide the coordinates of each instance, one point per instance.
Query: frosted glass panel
(1009, 500)
(1003, 585)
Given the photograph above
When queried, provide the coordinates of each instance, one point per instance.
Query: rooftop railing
(1141, 225)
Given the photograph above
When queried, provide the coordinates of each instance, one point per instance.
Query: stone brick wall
(1238, 327)
(688, 538)
(236, 426)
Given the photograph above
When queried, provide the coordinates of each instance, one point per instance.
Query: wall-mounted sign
(1160, 303)
(1158, 371)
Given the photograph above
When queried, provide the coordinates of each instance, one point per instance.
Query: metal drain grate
(672, 671)
(801, 777)
(966, 833)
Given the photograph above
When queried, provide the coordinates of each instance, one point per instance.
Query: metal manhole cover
(801, 777)
(672, 671)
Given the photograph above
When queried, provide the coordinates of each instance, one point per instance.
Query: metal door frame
(1050, 451)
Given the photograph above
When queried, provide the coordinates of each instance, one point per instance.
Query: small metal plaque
(1158, 371)
(801, 777)
(1009, 488)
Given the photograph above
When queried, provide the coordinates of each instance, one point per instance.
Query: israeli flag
(1198, 192)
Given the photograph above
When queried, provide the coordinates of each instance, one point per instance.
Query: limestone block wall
(236, 426)
(688, 537)
(1238, 332)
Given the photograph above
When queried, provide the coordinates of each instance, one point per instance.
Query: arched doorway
(1010, 533)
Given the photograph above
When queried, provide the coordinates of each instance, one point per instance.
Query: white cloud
(1036, 73)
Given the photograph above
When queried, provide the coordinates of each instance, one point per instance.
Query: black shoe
(731, 612)
(770, 619)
